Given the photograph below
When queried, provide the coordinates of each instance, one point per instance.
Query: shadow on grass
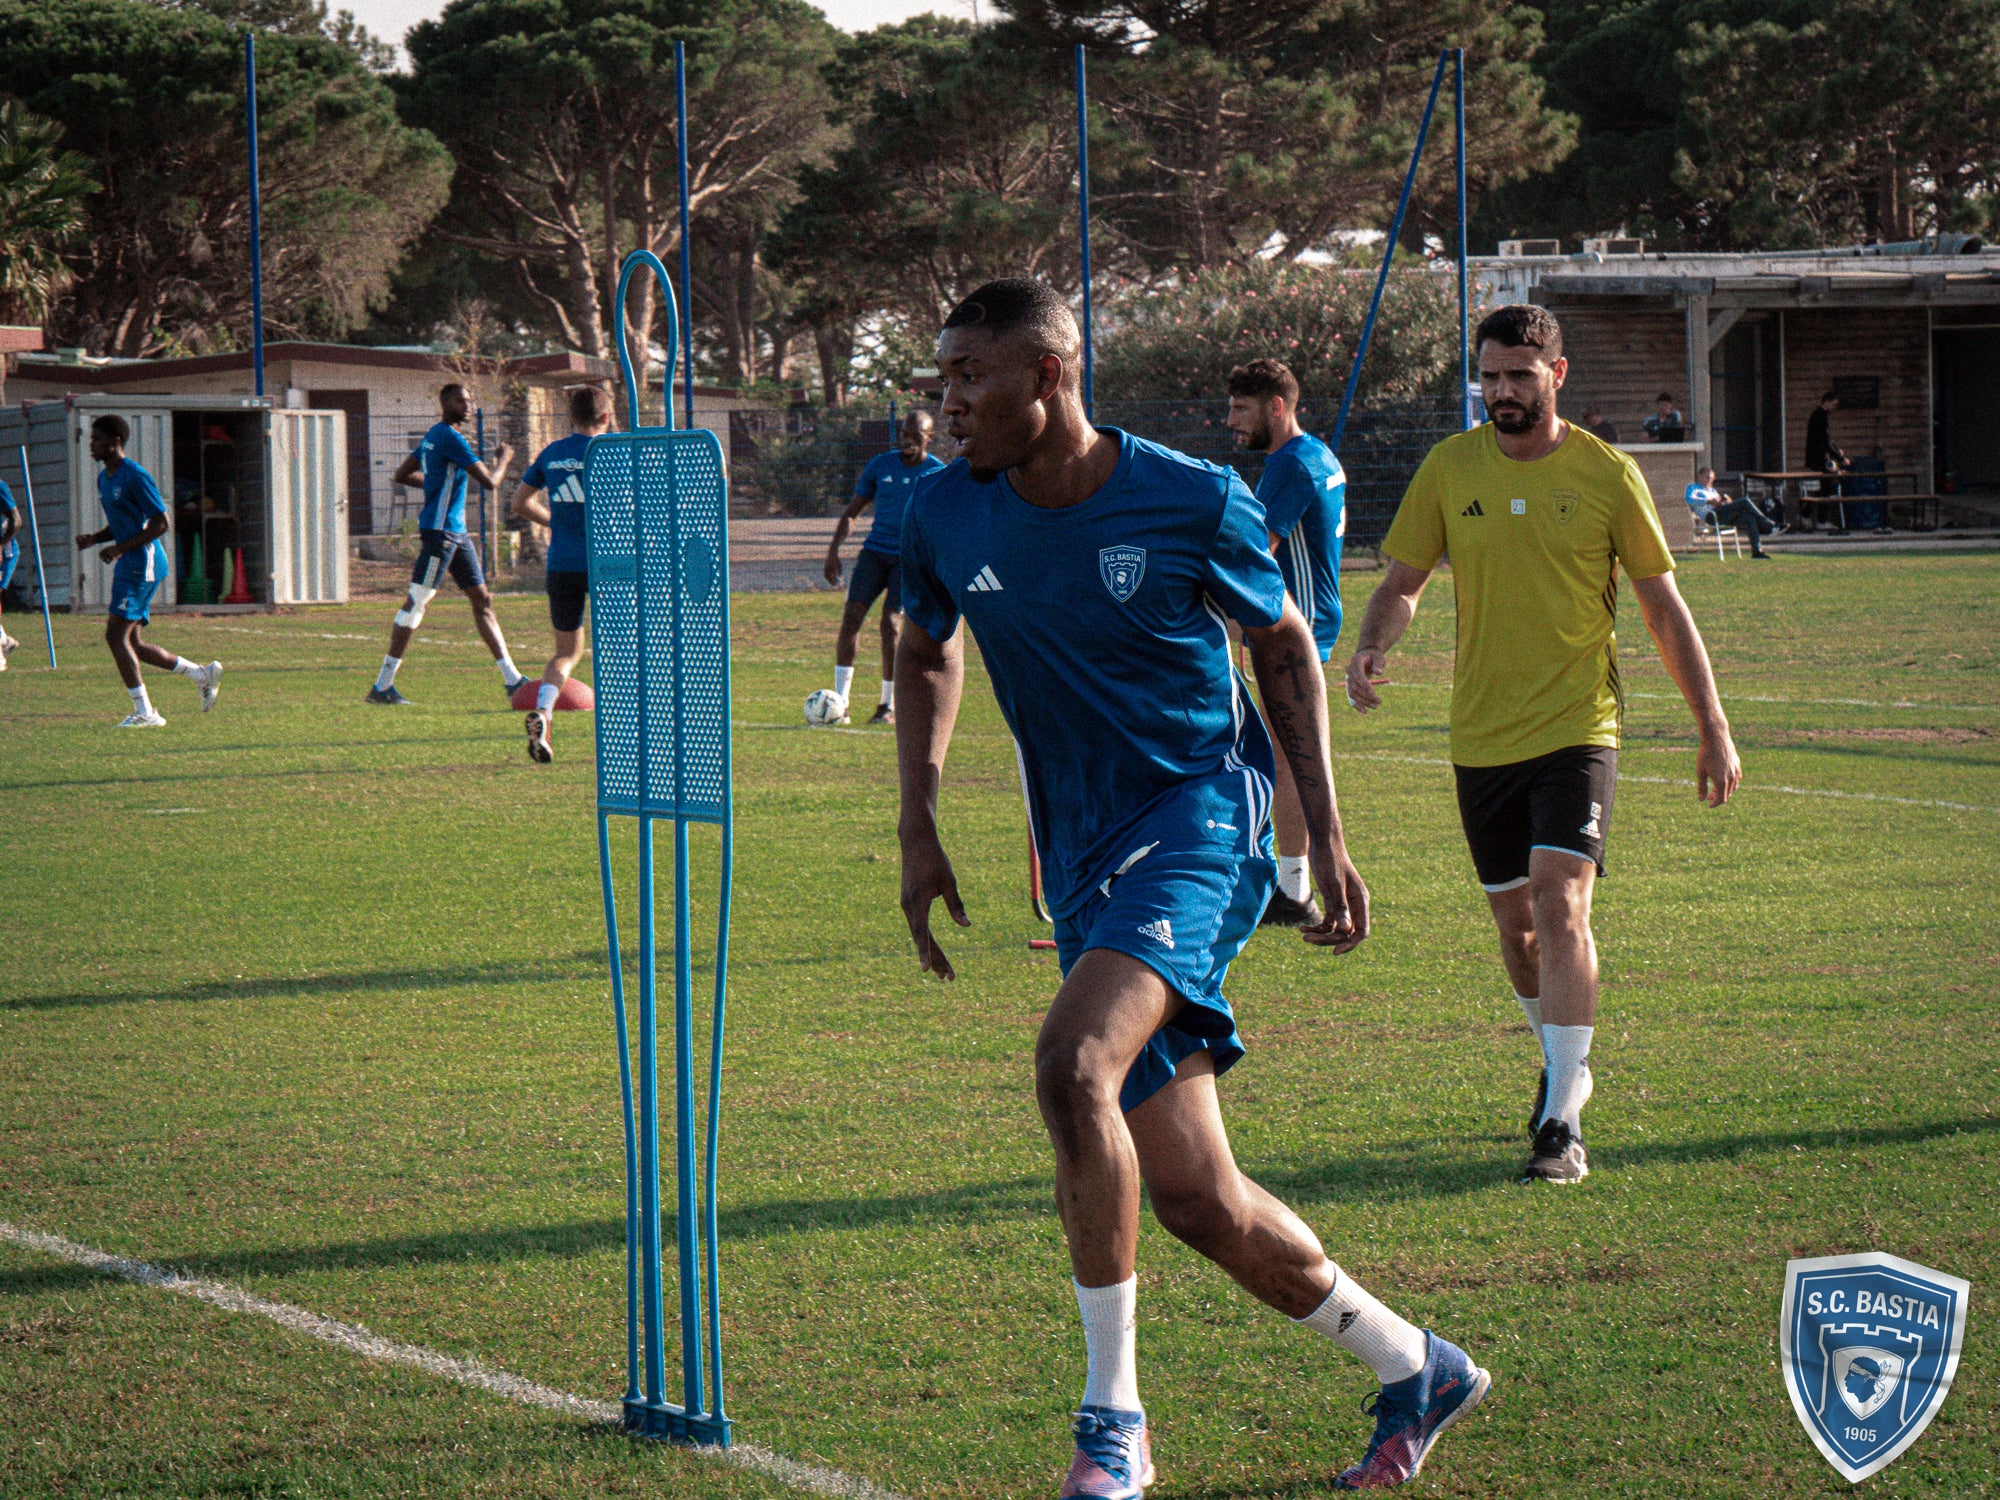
(586, 964)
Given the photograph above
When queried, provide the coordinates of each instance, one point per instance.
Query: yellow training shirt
(1535, 549)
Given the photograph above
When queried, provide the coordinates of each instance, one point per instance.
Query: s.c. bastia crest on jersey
(1121, 568)
(1868, 1345)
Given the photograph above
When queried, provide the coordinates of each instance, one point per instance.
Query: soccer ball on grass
(824, 708)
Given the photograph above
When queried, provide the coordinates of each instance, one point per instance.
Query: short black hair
(1826, 396)
(1522, 325)
(111, 426)
(1262, 379)
(588, 404)
(1022, 305)
(920, 418)
(456, 385)
(1663, 396)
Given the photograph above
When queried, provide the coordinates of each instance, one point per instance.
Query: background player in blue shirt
(1096, 571)
(558, 471)
(136, 519)
(886, 483)
(443, 462)
(1304, 495)
(10, 554)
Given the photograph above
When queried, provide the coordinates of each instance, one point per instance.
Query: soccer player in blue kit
(558, 472)
(10, 554)
(1097, 571)
(136, 519)
(1304, 494)
(886, 483)
(443, 461)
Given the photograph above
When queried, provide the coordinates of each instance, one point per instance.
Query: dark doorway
(360, 500)
(1967, 365)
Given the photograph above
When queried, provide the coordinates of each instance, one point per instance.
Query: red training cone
(574, 695)
(239, 586)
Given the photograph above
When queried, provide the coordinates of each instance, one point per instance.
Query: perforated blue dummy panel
(659, 614)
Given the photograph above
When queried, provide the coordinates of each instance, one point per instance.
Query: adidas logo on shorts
(1589, 830)
(1160, 931)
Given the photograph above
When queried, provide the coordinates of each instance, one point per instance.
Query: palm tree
(41, 210)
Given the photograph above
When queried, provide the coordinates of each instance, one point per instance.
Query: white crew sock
(545, 696)
(509, 673)
(888, 693)
(141, 704)
(1531, 1007)
(386, 678)
(1294, 876)
(842, 676)
(1569, 1072)
(1392, 1348)
(185, 668)
(1110, 1323)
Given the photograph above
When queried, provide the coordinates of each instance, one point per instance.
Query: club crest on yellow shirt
(1567, 503)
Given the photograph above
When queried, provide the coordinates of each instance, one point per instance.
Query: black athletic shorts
(875, 573)
(439, 552)
(1561, 800)
(567, 593)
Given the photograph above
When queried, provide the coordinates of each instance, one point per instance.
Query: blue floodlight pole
(1464, 312)
(687, 253)
(256, 211)
(35, 536)
(1083, 222)
(1388, 253)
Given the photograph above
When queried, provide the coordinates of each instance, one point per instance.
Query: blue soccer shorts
(132, 595)
(876, 574)
(447, 551)
(9, 560)
(1191, 887)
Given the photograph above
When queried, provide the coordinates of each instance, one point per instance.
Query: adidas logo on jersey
(1160, 931)
(1473, 509)
(984, 583)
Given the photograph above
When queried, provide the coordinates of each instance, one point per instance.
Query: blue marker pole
(687, 249)
(479, 447)
(1388, 254)
(1083, 221)
(256, 211)
(1464, 312)
(35, 535)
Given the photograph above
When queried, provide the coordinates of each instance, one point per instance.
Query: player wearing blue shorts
(557, 473)
(443, 462)
(1097, 572)
(10, 554)
(1304, 494)
(135, 520)
(887, 482)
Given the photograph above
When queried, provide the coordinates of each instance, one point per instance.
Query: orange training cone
(239, 586)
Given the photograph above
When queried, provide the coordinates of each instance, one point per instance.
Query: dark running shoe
(1283, 911)
(388, 695)
(539, 750)
(1412, 1414)
(883, 714)
(1558, 1156)
(1541, 1103)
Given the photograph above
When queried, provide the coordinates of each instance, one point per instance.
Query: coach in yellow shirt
(1537, 517)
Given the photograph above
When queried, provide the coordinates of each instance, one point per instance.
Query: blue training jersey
(558, 469)
(13, 543)
(890, 482)
(1102, 630)
(130, 500)
(446, 457)
(1304, 494)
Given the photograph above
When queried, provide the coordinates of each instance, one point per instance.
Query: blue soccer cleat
(1114, 1457)
(388, 695)
(1412, 1414)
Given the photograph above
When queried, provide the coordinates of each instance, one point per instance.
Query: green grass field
(311, 998)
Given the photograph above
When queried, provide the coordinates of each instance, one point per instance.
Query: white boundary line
(354, 1339)
(1955, 708)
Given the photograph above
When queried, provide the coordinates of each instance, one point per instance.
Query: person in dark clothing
(1823, 455)
(1598, 426)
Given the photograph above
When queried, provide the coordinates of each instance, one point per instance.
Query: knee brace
(412, 614)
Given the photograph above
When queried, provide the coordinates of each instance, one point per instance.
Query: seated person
(1713, 508)
(1595, 424)
(1666, 424)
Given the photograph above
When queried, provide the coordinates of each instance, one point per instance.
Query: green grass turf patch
(311, 997)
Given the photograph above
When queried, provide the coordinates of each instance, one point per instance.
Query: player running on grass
(136, 519)
(1538, 516)
(10, 555)
(1096, 571)
(442, 462)
(558, 471)
(886, 483)
(1304, 494)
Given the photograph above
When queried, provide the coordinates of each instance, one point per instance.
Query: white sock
(186, 668)
(842, 676)
(1569, 1072)
(1392, 1348)
(1531, 1007)
(1294, 877)
(141, 704)
(1110, 1322)
(545, 696)
(386, 678)
(888, 693)
(509, 673)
